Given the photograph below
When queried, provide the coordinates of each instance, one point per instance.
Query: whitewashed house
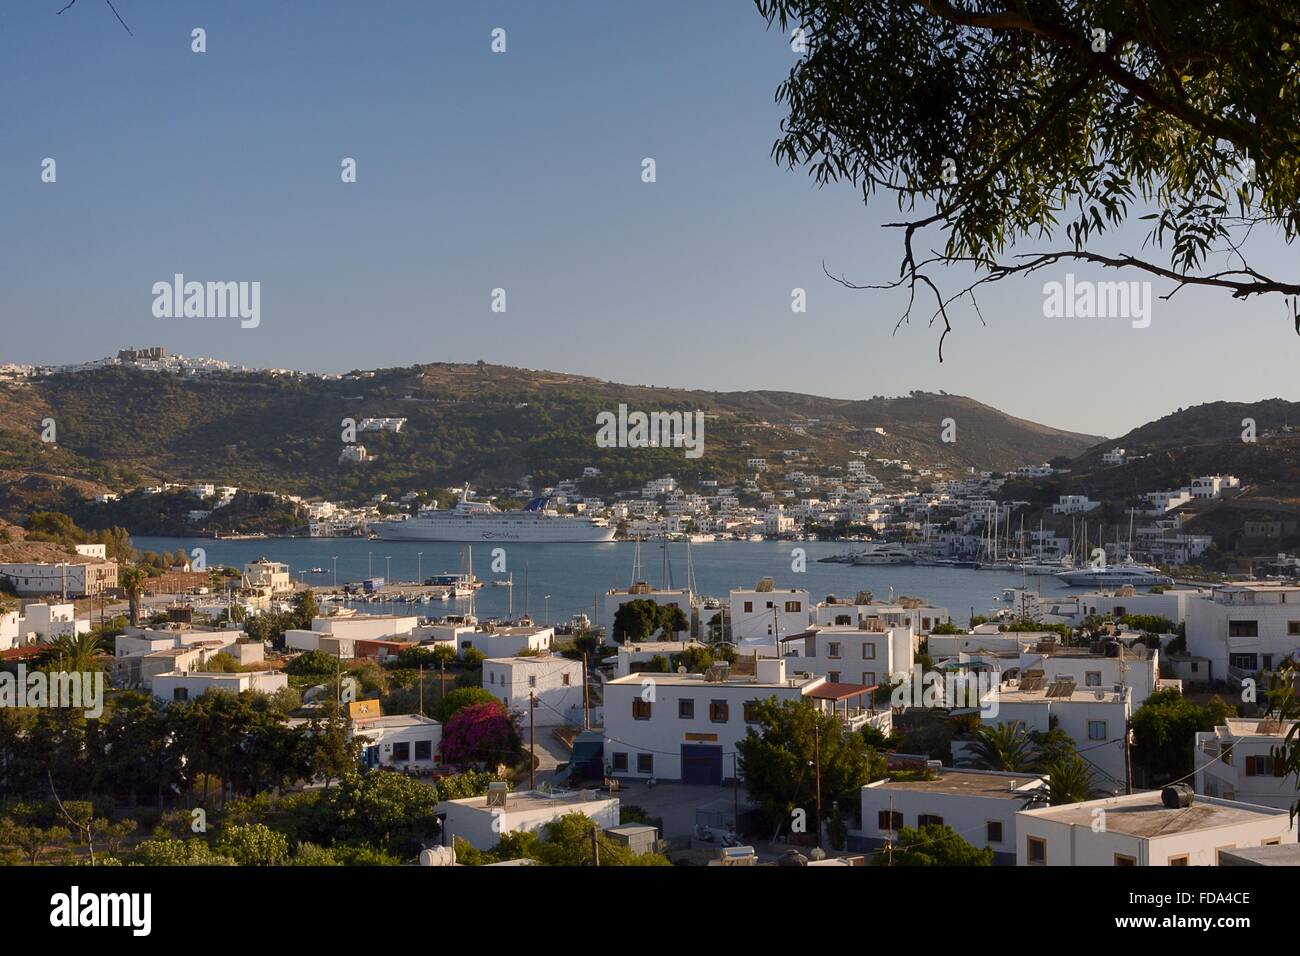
(1139, 830)
(981, 805)
(555, 684)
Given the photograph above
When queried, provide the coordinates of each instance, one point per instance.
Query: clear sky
(519, 171)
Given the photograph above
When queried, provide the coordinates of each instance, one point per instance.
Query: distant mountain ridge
(485, 424)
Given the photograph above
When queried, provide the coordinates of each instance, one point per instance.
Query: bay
(556, 581)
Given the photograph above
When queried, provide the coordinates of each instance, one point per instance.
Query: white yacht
(884, 554)
(1113, 575)
(483, 521)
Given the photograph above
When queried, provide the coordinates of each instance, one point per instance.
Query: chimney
(771, 670)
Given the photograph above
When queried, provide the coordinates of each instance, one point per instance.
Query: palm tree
(132, 580)
(1069, 780)
(71, 653)
(1006, 747)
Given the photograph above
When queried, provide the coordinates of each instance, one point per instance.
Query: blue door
(701, 764)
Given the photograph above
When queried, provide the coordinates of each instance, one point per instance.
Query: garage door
(701, 764)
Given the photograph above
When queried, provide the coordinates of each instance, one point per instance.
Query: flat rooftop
(1254, 727)
(970, 783)
(395, 721)
(1143, 814)
(537, 800)
(697, 680)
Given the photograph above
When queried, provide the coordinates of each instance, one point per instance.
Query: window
(749, 607)
(833, 677)
(719, 712)
(1096, 730)
(1092, 679)
(564, 679)
(868, 651)
(645, 763)
(928, 819)
(492, 677)
(402, 752)
(1122, 860)
(1220, 850)
(1245, 662)
(1036, 851)
(1243, 629)
(890, 820)
(751, 712)
(618, 761)
(641, 709)
(1293, 628)
(1225, 753)
(686, 708)
(1271, 841)
(793, 607)
(869, 678)
(532, 681)
(833, 650)
(424, 750)
(993, 831)
(843, 619)
(180, 693)
(1178, 860)
(1265, 765)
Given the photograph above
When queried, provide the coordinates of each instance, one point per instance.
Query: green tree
(992, 123)
(1070, 780)
(458, 699)
(190, 852)
(254, 844)
(635, 621)
(933, 845)
(1164, 729)
(1004, 747)
(777, 759)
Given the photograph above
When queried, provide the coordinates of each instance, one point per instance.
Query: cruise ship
(1113, 575)
(483, 521)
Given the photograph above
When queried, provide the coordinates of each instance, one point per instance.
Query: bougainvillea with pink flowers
(481, 734)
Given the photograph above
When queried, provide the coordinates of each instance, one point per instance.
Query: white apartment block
(46, 623)
(271, 575)
(1235, 761)
(1137, 668)
(867, 655)
(180, 686)
(1212, 486)
(1243, 629)
(401, 741)
(480, 822)
(74, 578)
(760, 617)
(686, 726)
(1139, 830)
(1096, 719)
(921, 618)
(554, 683)
(980, 805)
(506, 641)
(1074, 505)
(381, 424)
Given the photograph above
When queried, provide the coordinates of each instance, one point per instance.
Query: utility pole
(532, 743)
(421, 690)
(586, 704)
(442, 679)
(735, 794)
(817, 769)
(595, 846)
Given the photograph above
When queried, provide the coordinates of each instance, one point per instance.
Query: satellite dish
(681, 668)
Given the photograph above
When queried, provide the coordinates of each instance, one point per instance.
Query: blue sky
(520, 171)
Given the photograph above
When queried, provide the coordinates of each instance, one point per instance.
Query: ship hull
(471, 531)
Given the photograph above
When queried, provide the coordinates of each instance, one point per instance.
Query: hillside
(1201, 440)
(486, 424)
